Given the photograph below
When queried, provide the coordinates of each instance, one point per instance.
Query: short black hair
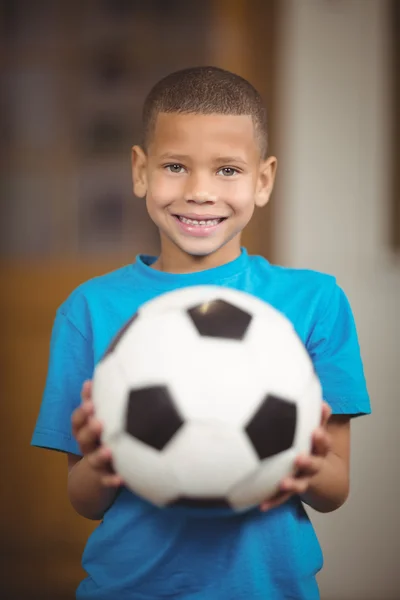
(205, 90)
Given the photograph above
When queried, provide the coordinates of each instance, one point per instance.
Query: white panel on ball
(278, 352)
(110, 396)
(151, 350)
(207, 459)
(145, 470)
(220, 385)
(262, 482)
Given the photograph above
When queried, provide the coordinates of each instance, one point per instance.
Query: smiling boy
(203, 169)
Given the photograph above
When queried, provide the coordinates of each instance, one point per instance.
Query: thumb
(326, 413)
(86, 392)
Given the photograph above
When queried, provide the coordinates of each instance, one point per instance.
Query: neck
(174, 260)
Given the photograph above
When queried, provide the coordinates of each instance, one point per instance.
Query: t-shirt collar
(216, 275)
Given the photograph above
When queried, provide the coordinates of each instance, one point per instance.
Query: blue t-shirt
(140, 552)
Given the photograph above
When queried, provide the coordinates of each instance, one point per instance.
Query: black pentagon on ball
(220, 319)
(119, 335)
(191, 502)
(152, 416)
(272, 428)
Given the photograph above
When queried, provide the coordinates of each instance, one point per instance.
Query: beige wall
(333, 211)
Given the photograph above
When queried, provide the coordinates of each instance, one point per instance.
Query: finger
(307, 466)
(79, 419)
(295, 485)
(325, 414)
(100, 459)
(321, 442)
(88, 437)
(86, 392)
(112, 480)
(275, 501)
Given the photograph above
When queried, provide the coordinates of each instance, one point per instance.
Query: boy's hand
(307, 465)
(87, 431)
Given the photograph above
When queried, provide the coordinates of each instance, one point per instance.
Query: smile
(200, 226)
(200, 223)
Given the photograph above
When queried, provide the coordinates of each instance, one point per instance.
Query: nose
(198, 192)
(201, 199)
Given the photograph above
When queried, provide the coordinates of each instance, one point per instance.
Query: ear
(265, 183)
(139, 171)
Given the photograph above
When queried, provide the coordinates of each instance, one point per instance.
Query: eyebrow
(218, 159)
(231, 159)
(173, 156)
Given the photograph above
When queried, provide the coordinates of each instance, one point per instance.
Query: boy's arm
(329, 488)
(92, 483)
(334, 349)
(88, 494)
(322, 477)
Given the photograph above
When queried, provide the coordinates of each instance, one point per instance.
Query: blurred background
(73, 77)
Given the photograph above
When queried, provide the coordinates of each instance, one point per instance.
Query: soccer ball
(206, 397)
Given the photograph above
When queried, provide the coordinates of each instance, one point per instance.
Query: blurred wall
(333, 209)
(74, 75)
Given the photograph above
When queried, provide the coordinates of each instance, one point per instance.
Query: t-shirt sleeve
(335, 351)
(70, 364)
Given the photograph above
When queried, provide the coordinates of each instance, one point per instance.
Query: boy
(203, 169)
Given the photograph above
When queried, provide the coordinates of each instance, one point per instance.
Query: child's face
(202, 178)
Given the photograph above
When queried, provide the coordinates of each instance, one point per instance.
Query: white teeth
(209, 222)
